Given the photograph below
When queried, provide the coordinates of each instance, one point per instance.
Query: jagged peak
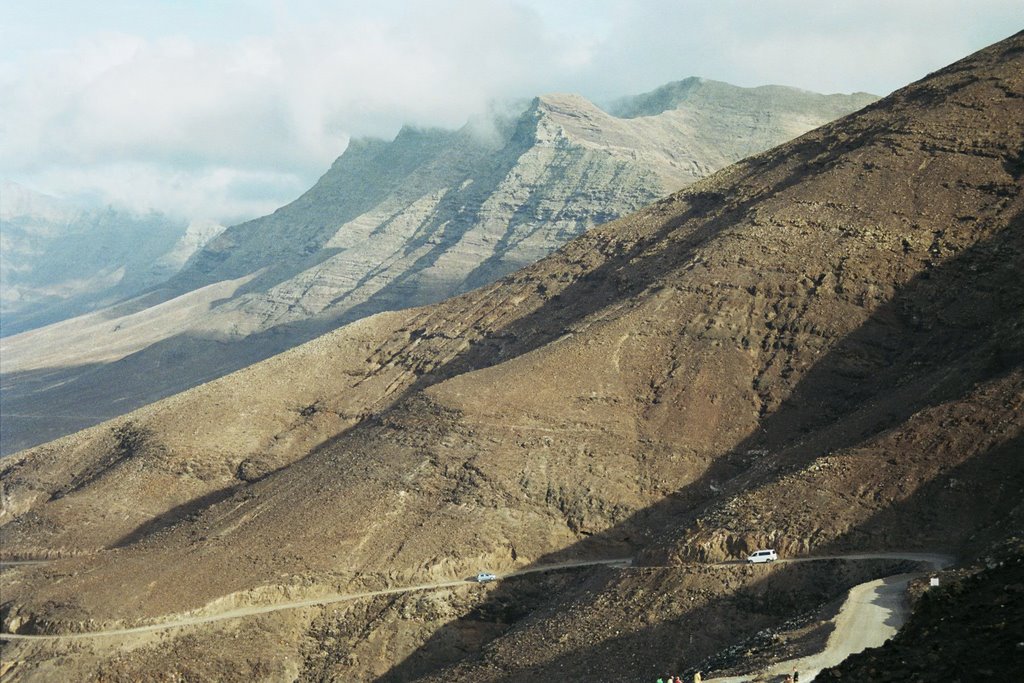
(562, 100)
(407, 133)
(654, 102)
(566, 104)
(565, 111)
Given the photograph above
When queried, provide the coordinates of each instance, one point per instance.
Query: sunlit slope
(389, 226)
(819, 348)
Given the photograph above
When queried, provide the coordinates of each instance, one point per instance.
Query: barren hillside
(391, 225)
(820, 349)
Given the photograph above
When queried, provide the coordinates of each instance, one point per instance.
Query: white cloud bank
(229, 113)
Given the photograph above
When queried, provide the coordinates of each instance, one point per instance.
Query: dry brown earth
(820, 348)
(390, 226)
(969, 628)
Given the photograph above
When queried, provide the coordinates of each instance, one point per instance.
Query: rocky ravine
(819, 348)
(389, 226)
(59, 260)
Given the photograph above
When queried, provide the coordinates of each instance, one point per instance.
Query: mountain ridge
(389, 226)
(62, 259)
(696, 89)
(820, 346)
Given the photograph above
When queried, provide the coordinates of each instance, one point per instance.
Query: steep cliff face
(469, 216)
(437, 213)
(819, 348)
(392, 225)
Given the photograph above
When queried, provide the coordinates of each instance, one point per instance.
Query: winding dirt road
(872, 612)
(312, 602)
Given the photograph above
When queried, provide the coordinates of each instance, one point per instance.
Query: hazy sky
(226, 109)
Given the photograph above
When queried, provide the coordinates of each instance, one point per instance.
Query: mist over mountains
(435, 213)
(59, 260)
(818, 349)
(392, 225)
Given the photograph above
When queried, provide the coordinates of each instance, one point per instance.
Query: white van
(762, 556)
(485, 577)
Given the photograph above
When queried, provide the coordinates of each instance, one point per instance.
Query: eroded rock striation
(819, 348)
(393, 225)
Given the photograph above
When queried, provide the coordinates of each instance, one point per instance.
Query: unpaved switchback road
(872, 613)
(864, 620)
(312, 602)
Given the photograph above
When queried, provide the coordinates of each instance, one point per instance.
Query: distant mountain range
(59, 260)
(818, 350)
(393, 225)
(435, 213)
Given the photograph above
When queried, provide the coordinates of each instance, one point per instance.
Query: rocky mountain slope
(436, 213)
(820, 349)
(986, 601)
(389, 226)
(59, 260)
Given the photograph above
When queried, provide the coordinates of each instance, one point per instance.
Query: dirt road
(313, 602)
(20, 563)
(872, 614)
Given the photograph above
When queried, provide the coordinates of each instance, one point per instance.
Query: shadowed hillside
(820, 348)
(391, 225)
(987, 602)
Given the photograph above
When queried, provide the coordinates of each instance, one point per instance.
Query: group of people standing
(677, 679)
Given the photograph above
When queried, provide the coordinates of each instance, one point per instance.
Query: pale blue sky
(228, 108)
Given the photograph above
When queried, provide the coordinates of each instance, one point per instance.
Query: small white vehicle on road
(484, 577)
(759, 556)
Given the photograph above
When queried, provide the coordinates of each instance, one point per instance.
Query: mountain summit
(818, 349)
(390, 225)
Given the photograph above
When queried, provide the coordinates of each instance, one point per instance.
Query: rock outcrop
(393, 225)
(820, 347)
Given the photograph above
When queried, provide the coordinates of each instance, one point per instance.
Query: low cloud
(185, 126)
(187, 123)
